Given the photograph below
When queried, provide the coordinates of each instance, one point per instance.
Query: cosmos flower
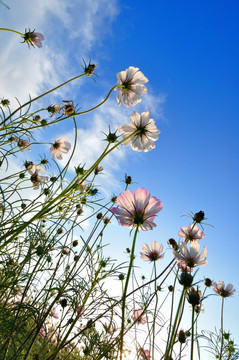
(54, 109)
(37, 180)
(144, 354)
(33, 38)
(132, 81)
(138, 317)
(60, 146)
(5, 102)
(80, 309)
(191, 257)
(223, 291)
(33, 168)
(147, 132)
(154, 254)
(54, 313)
(23, 144)
(184, 268)
(42, 333)
(191, 232)
(138, 209)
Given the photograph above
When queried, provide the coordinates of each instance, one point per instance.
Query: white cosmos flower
(190, 257)
(223, 291)
(132, 81)
(147, 132)
(60, 146)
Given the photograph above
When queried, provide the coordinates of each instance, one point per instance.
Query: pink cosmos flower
(42, 333)
(54, 313)
(191, 232)
(132, 81)
(223, 291)
(80, 309)
(33, 38)
(60, 146)
(183, 267)
(138, 317)
(147, 132)
(145, 354)
(154, 254)
(190, 257)
(138, 209)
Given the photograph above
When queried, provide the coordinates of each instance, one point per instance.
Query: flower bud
(173, 243)
(182, 337)
(186, 279)
(208, 282)
(194, 297)
(75, 243)
(63, 302)
(128, 180)
(199, 217)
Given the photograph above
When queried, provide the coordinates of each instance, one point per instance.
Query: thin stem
(102, 102)
(44, 94)
(220, 356)
(192, 335)
(156, 305)
(170, 346)
(11, 30)
(125, 292)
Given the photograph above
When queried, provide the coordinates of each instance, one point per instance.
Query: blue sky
(189, 52)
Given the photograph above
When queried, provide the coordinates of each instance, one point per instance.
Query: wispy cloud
(64, 24)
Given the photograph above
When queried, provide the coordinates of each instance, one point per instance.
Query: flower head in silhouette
(153, 254)
(131, 81)
(147, 132)
(223, 291)
(137, 209)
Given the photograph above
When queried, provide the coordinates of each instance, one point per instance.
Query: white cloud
(64, 24)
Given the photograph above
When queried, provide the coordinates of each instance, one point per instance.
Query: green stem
(11, 30)
(221, 350)
(171, 342)
(44, 94)
(156, 305)
(125, 292)
(102, 102)
(192, 335)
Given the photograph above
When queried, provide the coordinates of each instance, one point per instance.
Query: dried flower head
(54, 109)
(69, 108)
(23, 144)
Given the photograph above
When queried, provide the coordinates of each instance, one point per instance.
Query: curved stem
(102, 102)
(125, 292)
(11, 30)
(44, 94)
